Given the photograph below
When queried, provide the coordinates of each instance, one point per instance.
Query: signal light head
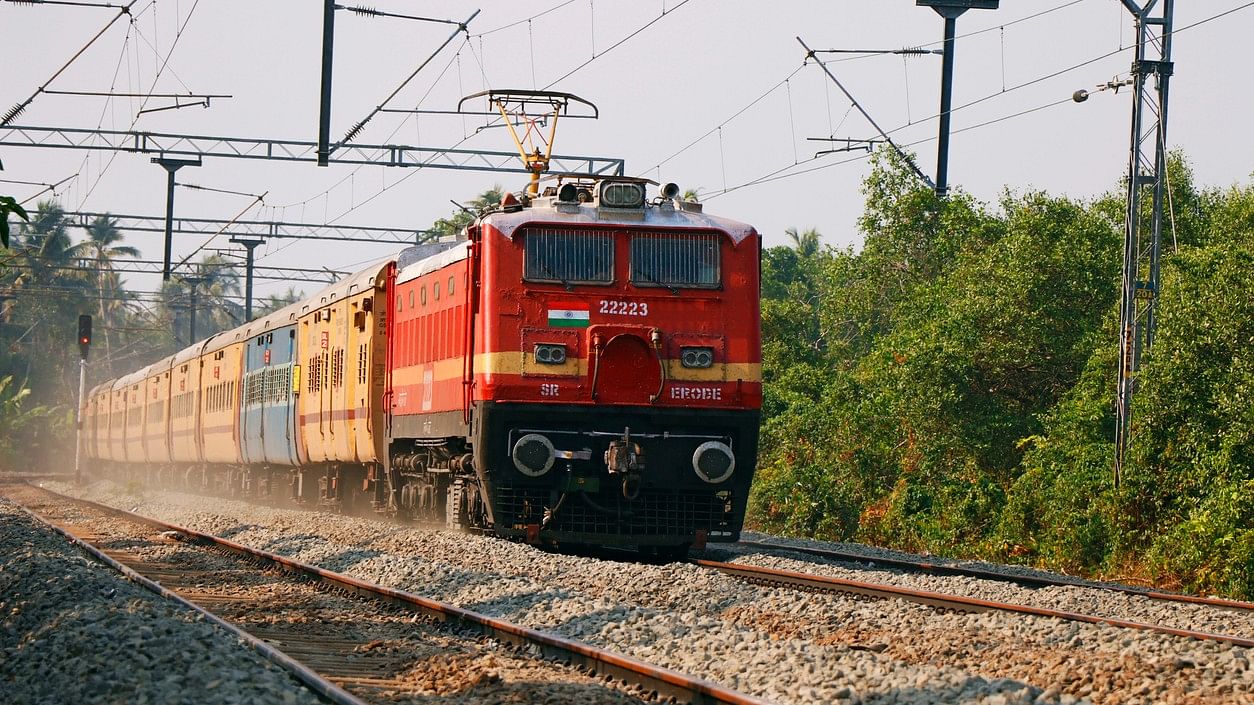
(84, 334)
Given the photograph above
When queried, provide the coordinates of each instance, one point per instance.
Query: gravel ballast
(775, 643)
(73, 630)
(1080, 598)
(380, 652)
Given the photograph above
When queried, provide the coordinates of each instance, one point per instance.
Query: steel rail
(973, 572)
(303, 673)
(664, 681)
(822, 583)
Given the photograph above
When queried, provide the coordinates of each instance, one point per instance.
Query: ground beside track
(775, 643)
(73, 630)
(380, 652)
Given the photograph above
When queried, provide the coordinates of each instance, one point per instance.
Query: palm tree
(216, 282)
(805, 242)
(446, 227)
(102, 248)
(274, 302)
(48, 296)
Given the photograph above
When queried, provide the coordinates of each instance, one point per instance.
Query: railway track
(261, 596)
(1031, 581)
(806, 581)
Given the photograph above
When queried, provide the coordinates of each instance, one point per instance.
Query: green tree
(274, 302)
(805, 242)
(102, 247)
(454, 224)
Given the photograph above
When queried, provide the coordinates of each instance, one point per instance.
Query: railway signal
(84, 335)
(84, 345)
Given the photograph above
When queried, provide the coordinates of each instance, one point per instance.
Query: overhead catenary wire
(461, 28)
(69, 3)
(259, 199)
(910, 161)
(777, 174)
(536, 16)
(833, 128)
(467, 137)
(178, 35)
(615, 45)
(21, 107)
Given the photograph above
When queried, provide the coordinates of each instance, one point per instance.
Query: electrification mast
(1147, 172)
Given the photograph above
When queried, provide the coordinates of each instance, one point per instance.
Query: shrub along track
(338, 633)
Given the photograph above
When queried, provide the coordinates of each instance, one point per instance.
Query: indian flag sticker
(568, 314)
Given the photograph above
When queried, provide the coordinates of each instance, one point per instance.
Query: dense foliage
(949, 386)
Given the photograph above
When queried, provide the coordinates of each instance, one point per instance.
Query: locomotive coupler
(626, 457)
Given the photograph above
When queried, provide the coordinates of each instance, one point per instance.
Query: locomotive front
(618, 374)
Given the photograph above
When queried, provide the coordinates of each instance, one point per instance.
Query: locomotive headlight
(696, 357)
(548, 354)
(533, 455)
(713, 461)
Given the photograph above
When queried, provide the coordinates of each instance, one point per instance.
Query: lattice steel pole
(1147, 169)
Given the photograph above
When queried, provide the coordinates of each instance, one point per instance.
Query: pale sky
(672, 101)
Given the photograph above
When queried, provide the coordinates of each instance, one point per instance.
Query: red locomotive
(613, 391)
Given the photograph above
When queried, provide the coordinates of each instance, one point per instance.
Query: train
(579, 366)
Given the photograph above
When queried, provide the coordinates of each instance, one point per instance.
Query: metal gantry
(141, 266)
(1143, 226)
(255, 228)
(167, 144)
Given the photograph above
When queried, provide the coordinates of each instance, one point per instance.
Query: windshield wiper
(652, 280)
(548, 270)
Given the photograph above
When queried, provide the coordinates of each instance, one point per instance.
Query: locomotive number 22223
(624, 308)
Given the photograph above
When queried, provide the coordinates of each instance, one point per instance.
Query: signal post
(84, 345)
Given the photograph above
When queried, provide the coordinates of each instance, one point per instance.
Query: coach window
(422, 295)
(398, 303)
(568, 257)
(411, 298)
(435, 289)
(450, 286)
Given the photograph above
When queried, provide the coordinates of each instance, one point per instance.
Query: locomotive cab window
(687, 260)
(568, 256)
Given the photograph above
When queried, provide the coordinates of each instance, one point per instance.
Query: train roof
(546, 211)
(162, 365)
(190, 352)
(346, 286)
(275, 319)
(133, 378)
(444, 255)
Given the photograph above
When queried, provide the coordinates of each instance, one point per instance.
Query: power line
(21, 107)
(778, 175)
(615, 45)
(536, 16)
(360, 125)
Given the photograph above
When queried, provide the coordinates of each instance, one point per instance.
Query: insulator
(13, 112)
(353, 132)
